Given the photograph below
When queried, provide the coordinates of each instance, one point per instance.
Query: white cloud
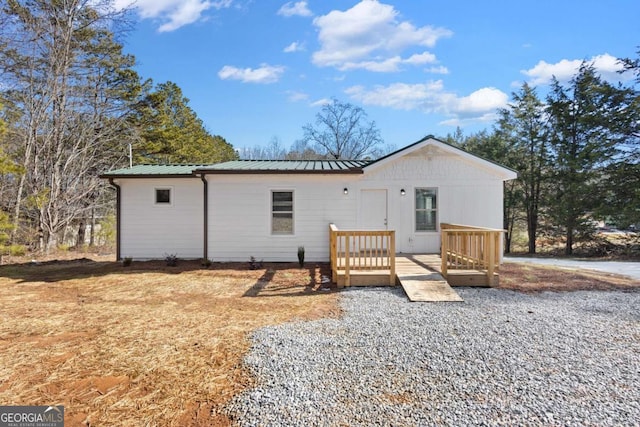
(431, 97)
(370, 36)
(321, 102)
(222, 4)
(481, 101)
(421, 58)
(399, 96)
(298, 8)
(437, 70)
(173, 13)
(294, 96)
(265, 74)
(294, 47)
(606, 65)
(390, 64)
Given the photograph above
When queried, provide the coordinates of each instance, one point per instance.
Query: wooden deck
(429, 266)
(470, 256)
(454, 277)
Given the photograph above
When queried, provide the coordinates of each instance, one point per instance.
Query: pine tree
(524, 126)
(591, 121)
(171, 132)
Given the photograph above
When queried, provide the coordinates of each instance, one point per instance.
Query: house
(267, 209)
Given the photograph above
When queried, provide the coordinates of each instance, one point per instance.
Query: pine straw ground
(142, 345)
(538, 278)
(156, 345)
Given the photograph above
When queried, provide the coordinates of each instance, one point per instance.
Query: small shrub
(205, 262)
(126, 262)
(17, 250)
(171, 260)
(254, 264)
(301, 256)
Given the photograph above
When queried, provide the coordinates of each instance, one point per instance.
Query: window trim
(155, 196)
(415, 210)
(293, 209)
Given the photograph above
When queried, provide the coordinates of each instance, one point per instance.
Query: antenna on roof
(130, 156)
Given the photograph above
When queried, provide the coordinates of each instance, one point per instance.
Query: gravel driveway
(499, 358)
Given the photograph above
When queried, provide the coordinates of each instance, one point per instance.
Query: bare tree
(300, 150)
(272, 151)
(342, 131)
(69, 85)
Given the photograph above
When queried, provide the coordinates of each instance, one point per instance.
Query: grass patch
(146, 344)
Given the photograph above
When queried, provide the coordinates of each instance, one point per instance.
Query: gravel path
(499, 358)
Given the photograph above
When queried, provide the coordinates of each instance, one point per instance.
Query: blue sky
(258, 69)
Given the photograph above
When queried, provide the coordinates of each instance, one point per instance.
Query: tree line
(577, 155)
(72, 103)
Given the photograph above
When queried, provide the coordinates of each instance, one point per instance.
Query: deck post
(333, 254)
(491, 258)
(444, 237)
(347, 260)
(392, 262)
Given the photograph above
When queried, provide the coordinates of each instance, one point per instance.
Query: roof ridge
(296, 160)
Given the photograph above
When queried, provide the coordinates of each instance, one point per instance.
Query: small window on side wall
(282, 212)
(163, 196)
(426, 209)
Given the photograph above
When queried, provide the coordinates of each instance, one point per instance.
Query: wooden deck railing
(470, 248)
(356, 250)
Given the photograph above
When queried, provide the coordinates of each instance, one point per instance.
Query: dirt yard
(142, 345)
(155, 345)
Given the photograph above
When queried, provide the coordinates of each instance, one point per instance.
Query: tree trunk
(18, 206)
(81, 233)
(531, 232)
(40, 239)
(92, 232)
(568, 250)
(507, 242)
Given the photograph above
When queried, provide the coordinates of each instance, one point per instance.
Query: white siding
(467, 194)
(240, 215)
(151, 231)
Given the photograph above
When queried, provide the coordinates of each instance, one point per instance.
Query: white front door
(373, 209)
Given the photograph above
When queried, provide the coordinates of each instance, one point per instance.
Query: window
(163, 196)
(426, 209)
(282, 212)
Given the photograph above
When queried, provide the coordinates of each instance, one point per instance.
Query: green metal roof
(241, 167)
(153, 170)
